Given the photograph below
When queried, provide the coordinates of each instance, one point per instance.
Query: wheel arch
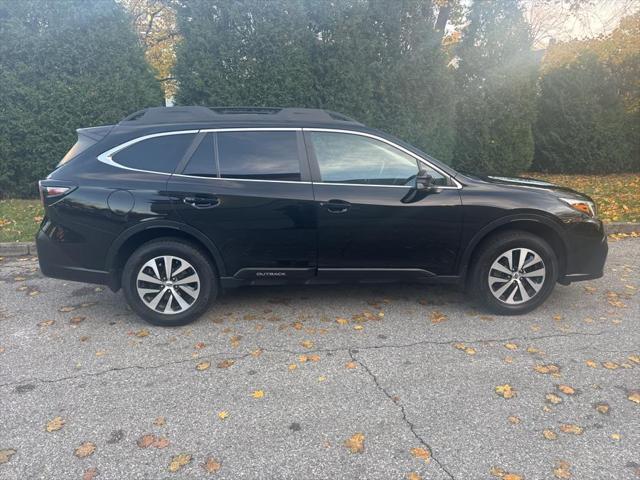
(124, 245)
(547, 229)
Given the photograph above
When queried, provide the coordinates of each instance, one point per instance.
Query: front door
(370, 216)
(249, 192)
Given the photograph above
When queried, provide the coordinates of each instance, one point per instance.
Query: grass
(19, 220)
(617, 196)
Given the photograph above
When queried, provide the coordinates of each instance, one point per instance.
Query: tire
(509, 292)
(169, 304)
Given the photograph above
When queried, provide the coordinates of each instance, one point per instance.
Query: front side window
(155, 154)
(259, 155)
(349, 158)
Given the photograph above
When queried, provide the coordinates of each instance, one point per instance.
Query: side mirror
(424, 181)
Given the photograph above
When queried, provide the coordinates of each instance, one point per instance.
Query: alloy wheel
(516, 276)
(168, 284)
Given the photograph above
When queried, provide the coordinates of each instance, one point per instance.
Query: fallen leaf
(351, 365)
(223, 414)
(142, 333)
(257, 394)
(355, 444)
(199, 345)
(56, 424)
(90, 473)
(634, 396)
(566, 389)
(225, 363)
(6, 454)
(256, 353)
(438, 317)
(179, 461)
(421, 453)
(203, 366)
(86, 449)
(547, 369)
(511, 346)
(293, 366)
(342, 321)
(615, 436)
(101, 353)
(610, 365)
(553, 398)
(602, 408)
(571, 428)
(235, 341)
(634, 358)
(161, 442)
(160, 421)
(146, 440)
(77, 320)
(358, 327)
(413, 476)
(562, 470)
(307, 344)
(591, 363)
(505, 391)
(298, 325)
(46, 323)
(211, 465)
(66, 309)
(549, 434)
(513, 419)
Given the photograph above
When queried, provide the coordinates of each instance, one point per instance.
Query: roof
(262, 115)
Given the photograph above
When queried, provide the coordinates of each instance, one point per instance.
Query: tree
(378, 61)
(496, 79)
(64, 64)
(581, 125)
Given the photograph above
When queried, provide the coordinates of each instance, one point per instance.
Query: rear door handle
(337, 206)
(201, 202)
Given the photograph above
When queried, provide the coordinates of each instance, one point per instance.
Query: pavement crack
(406, 420)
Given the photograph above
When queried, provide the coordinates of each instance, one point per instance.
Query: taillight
(53, 192)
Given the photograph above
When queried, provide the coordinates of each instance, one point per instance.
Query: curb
(16, 249)
(621, 227)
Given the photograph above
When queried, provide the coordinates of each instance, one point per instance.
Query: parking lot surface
(331, 382)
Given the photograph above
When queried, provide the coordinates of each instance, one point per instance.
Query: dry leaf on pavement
(86, 449)
(355, 444)
(179, 461)
(56, 424)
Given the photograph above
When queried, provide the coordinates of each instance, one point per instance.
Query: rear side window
(156, 154)
(259, 155)
(202, 162)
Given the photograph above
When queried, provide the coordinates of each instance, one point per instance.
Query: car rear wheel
(169, 282)
(514, 272)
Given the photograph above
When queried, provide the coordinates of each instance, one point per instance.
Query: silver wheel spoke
(536, 273)
(156, 300)
(527, 284)
(148, 278)
(153, 286)
(190, 279)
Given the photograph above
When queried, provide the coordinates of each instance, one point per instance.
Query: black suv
(174, 204)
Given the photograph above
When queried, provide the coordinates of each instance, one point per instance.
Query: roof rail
(196, 114)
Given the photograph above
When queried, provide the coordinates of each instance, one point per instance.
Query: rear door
(249, 191)
(371, 219)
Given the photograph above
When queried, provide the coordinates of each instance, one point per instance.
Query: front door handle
(201, 202)
(337, 206)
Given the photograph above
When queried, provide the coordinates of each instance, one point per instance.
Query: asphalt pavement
(325, 382)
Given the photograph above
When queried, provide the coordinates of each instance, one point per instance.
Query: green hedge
(64, 65)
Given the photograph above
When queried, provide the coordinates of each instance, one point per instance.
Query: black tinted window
(202, 162)
(259, 155)
(156, 154)
(347, 158)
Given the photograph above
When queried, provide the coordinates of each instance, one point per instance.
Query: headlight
(584, 206)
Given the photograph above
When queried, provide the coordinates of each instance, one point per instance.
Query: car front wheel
(168, 282)
(514, 272)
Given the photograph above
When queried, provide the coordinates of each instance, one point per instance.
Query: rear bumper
(587, 251)
(56, 262)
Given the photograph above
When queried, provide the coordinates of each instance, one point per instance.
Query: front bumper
(587, 250)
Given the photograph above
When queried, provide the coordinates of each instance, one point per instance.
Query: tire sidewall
(188, 252)
(502, 244)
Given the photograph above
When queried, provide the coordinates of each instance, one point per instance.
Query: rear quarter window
(155, 154)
